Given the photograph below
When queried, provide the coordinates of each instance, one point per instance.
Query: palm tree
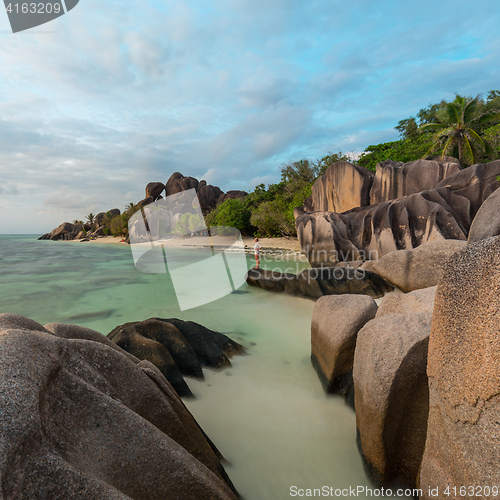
(456, 132)
(90, 217)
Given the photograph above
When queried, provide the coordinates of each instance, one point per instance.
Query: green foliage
(404, 150)
(117, 225)
(458, 129)
(189, 223)
(231, 213)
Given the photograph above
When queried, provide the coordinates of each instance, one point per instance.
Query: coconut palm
(90, 217)
(456, 132)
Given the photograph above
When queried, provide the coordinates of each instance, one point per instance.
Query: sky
(116, 94)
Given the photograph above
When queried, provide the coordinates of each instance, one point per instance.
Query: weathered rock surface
(316, 282)
(178, 183)
(391, 395)
(486, 223)
(342, 187)
(419, 268)
(173, 351)
(418, 301)
(335, 324)
(81, 420)
(65, 231)
(464, 376)
(445, 212)
(369, 232)
(154, 189)
(394, 179)
(208, 196)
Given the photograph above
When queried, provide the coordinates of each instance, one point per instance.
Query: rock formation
(486, 223)
(464, 379)
(394, 179)
(316, 282)
(84, 421)
(342, 187)
(391, 395)
(176, 347)
(335, 324)
(154, 189)
(369, 232)
(419, 268)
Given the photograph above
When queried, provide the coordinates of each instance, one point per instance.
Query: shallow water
(267, 414)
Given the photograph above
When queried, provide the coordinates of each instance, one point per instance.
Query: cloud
(226, 90)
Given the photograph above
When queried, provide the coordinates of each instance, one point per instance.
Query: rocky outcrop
(65, 231)
(82, 420)
(342, 187)
(391, 395)
(176, 348)
(486, 223)
(208, 196)
(419, 268)
(418, 301)
(178, 183)
(464, 380)
(444, 212)
(394, 179)
(368, 233)
(335, 324)
(154, 189)
(316, 282)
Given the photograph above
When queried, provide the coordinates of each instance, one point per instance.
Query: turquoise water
(267, 414)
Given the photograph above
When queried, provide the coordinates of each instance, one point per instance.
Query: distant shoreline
(290, 244)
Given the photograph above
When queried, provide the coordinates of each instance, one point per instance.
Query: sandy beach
(289, 245)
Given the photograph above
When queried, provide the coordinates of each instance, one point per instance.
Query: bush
(232, 213)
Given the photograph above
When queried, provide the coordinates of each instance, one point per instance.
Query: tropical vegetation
(466, 128)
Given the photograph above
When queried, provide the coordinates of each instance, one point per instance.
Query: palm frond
(453, 113)
(470, 109)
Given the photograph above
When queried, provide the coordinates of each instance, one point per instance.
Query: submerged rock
(81, 420)
(335, 324)
(176, 347)
(316, 282)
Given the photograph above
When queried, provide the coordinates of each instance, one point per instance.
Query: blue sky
(117, 94)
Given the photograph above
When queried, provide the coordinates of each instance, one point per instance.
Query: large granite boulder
(486, 223)
(154, 189)
(342, 187)
(82, 421)
(316, 282)
(445, 212)
(472, 183)
(368, 233)
(336, 321)
(391, 395)
(418, 301)
(176, 348)
(464, 376)
(419, 268)
(178, 183)
(208, 196)
(394, 179)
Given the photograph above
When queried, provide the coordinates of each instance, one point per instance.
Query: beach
(268, 244)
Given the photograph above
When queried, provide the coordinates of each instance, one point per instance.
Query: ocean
(267, 414)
